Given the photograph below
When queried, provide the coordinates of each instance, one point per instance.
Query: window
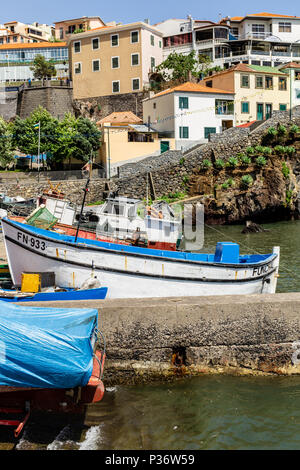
(183, 102)
(284, 27)
(95, 43)
(224, 107)
(183, 132)
(245, 107)
(152, 40)
(116, 86)
(61, 33)
(114, 40)
(77, 67)
(259, 81)
(159, 43)
(96, 65)
(268, 83)
(134, 37)
(135, 84)
(282, 107)
(15, 39)
(235, 32)
(135, 59)
(245, 81)
(115, 64)
(258, 30)
(152, 63)
(282, 83)
(77, 46)
(208, 131)
(154, 105)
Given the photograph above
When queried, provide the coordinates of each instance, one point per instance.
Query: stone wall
(252, 334)
(57, 100)
(101, 106)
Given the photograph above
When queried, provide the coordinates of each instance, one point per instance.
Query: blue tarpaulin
(46, 347)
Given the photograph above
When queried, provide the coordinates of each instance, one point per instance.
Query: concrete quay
(164, 338)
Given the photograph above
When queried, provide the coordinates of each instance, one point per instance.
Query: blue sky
(133, 10)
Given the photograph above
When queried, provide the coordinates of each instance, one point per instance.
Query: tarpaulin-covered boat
(44, 354)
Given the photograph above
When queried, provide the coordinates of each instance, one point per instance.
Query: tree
(59, 140)
(25, 136)
(42, 69)
(6, 144)
(179, 67)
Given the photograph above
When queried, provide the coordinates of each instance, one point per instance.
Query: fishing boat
(120, 219)
(56, 296)
(132, 271)
(51, 360)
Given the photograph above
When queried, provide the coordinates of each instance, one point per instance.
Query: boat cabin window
(131, 211)
(113, 208)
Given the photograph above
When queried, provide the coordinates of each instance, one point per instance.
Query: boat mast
(82, 206)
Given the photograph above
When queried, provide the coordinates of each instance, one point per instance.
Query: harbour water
(207, 412)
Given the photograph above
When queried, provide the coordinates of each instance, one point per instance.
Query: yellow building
(258, 90)
(112, 60)
(64, 28)
(125, 139)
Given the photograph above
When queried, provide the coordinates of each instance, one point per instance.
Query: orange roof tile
(192, 87)
(264, 14)
(125, 117)
(33, 45)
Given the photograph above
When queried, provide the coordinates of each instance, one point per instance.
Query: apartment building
(16, 59)
(189, 113)
(112, 60)
(15, 32)
(265, 39)
(268, 39)
(204, 37)
(258, 90)
(64, 28)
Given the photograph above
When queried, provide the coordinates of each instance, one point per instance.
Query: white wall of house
(16, 73)
(189, 125)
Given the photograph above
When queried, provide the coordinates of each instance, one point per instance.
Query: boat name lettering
(31, 241)
(258, 270)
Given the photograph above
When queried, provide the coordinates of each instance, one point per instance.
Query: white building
(293, 70)
(189, 113)
(265, 39)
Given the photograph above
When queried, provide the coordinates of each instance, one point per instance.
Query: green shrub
(288, 196)
(259, 149)
(219, 163)
(272, 132)
(245, 160)
(267, 151)
(206, 163)
(233, 162)
(250, 151)
(261, 161)
(294, 129)
(290, 150)
(181, 161)
(279, 150)
(285, 170)
(246, 181)
(230, 182)
(281, 130)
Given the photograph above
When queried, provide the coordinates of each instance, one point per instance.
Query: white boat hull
(130, 274)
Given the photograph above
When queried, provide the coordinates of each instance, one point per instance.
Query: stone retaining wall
(251, 334)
